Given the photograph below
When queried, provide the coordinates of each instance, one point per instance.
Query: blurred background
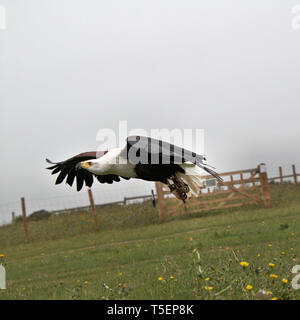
(71, 68)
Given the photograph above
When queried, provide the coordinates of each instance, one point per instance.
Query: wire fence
(105, 194)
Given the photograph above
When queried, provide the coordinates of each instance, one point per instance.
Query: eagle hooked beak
(85, 164)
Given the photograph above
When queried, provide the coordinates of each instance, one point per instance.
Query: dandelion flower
(284, 280)
(208, 288)
(2, 255)
(269, 293)
(160, 279)
(258, 254)
(244, 264)
(282, 252)
(273, 276)
(274, 298)
(270, 244)
(86, 282)
(249, 287)
(271, 265)
(207, 279)
(172, 278)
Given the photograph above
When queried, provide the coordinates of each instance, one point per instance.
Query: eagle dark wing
(71, 169)
(152, 151)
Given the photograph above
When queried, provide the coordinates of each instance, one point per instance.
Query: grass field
(132, 256)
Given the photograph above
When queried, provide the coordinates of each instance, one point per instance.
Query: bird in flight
(142, 158)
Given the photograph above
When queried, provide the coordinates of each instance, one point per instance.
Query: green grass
(133, 256)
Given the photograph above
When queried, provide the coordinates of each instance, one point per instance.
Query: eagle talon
(173, 187)
(185, 188)
(183, 197)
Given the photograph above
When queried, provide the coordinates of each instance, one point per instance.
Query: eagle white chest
(114, 162)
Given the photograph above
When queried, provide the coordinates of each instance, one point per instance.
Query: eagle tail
(192, 177)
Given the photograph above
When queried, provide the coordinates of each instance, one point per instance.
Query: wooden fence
(92, 207)
(281, 177)
(238, 188)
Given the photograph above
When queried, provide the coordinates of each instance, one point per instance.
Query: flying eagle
(142, 158)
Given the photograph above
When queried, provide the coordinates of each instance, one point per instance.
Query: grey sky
(69, 68)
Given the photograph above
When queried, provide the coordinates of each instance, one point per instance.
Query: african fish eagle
(142, 158)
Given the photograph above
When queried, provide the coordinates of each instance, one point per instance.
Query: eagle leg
(181, 186)
(179, 189)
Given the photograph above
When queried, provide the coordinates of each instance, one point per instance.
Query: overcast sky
(69, 68)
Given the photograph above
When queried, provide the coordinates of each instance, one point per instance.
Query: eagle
(141, 157)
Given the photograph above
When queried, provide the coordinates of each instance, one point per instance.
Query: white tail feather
(192, 177)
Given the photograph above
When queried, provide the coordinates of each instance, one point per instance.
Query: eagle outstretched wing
(148, 150)
(71, 168)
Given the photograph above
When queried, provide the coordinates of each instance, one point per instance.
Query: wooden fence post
(160, 201)
(24, 217)
(264, 184)
(13, 217)
(294, 174)
(280, 175)
(93, 207)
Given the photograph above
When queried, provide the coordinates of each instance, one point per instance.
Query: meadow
(243, 253)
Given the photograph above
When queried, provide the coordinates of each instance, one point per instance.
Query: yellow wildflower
(273, 276)
(160, 279)
(282, 252)
(2, 255)
(274, 298)
(269, 293)
(208, 288)
(171, 277)
(270, 244)
(249, 287)
(244, 264)
(207, 279)
(284, 280)
(86, 282)
(271, 265)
